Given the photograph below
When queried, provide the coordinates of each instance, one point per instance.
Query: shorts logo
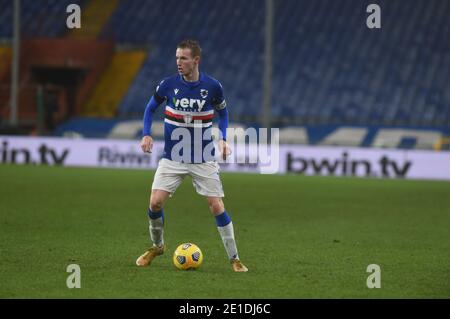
(203, 93)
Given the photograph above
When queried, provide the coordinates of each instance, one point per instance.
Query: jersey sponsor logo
(185, 103)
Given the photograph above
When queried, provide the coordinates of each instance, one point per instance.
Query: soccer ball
(187, 256)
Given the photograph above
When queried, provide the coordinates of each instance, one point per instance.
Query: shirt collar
(201, 77)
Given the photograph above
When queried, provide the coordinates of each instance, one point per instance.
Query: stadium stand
(337, 72)
(5, 56)
(95, 15)
(114, 84)
(329, 68)
(232, 52)
(37, 20)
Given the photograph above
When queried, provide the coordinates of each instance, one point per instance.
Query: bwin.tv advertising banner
(282, 159)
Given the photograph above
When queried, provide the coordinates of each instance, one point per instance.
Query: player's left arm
(221, 108)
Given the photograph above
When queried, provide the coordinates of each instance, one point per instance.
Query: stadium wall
(73, 66)
(407, 137)
(288, 159)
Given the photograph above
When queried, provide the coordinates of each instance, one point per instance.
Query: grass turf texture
(301, 237)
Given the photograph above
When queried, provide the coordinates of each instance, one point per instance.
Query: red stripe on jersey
(177, 116)
(194, 117)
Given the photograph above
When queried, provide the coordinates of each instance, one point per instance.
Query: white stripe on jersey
(178, 112)
(195, 125)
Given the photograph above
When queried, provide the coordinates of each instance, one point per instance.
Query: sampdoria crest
(203, 93)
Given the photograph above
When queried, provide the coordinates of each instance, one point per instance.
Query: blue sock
(226, 231)
(156, 227)
(156, 215)
(223, 219)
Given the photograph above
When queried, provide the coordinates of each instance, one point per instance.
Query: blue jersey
(190, 106)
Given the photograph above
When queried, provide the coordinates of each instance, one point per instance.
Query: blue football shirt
(188, 116)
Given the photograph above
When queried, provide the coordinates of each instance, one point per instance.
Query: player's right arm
(152, 105)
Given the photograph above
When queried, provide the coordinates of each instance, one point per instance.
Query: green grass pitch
(301, 237)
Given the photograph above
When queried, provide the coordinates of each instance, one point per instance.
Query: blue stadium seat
(328, 66)
(38, 18)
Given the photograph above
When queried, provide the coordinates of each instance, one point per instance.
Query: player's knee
(216, 205)
(156, 204)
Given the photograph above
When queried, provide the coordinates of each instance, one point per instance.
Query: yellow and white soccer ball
(187, 256)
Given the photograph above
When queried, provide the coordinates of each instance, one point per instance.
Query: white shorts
(205, 177)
